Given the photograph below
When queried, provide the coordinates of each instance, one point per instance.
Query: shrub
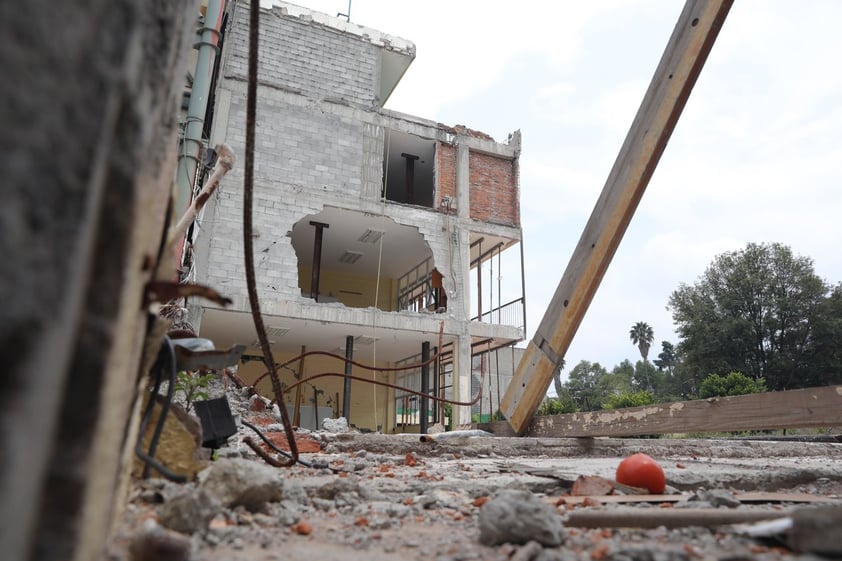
(629, 399)
(735, 383)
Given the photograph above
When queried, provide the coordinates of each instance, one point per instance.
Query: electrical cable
(148, 458)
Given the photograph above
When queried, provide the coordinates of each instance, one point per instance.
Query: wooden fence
(810, 407)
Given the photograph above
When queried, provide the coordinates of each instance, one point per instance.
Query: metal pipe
(425, 386)
(192, 142)
(479, 283)
(346, 390)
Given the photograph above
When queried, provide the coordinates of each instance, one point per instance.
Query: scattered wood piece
(671, 518)
(754, 497)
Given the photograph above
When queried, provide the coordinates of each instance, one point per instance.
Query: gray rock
(517, 517)
(189, 512)
(335, 425)
(716, 498)
(154, 543)
(335, 488)
(288, 513)
(241, 482)
(294, 491)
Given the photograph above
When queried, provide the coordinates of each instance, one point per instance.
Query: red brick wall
(494, 193)
(445, 174)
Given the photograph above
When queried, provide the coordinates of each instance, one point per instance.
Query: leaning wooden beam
(674, 78)
(811, 407)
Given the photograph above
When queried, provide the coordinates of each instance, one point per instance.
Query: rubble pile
(393, 497)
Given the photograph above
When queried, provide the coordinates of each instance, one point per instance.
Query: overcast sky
(756, 155)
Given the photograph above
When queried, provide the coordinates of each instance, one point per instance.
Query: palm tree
(642, 335)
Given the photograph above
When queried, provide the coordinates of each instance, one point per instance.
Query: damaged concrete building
(379, 237)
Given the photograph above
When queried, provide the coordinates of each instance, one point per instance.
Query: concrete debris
(189, 512)
(154, 543)
(240, 482)
(435, 437)
(808, 530)
(715, 498)
(591, 485)
(339, 425)
(518, 517)
(377, 497)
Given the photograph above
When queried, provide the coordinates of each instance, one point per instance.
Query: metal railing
(511, 313)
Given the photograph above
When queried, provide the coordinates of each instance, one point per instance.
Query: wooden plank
(755, 497)
(810, 407)
(685, 54)
(670, 518)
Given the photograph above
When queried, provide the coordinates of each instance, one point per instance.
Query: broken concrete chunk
(816, 530)
(335, 425)
(517, 517)
(240, 482)
(189, 512)
(154, 543)
(716, 498)
(591, 485)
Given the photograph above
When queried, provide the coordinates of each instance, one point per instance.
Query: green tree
(584, 385)
(642, 335)
(559, 405)
(826, 366)
(756, 311)
(629, 399)
(622, 377)
(735, 383)
(667, 358)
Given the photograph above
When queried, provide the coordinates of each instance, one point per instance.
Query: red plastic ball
(640, 470)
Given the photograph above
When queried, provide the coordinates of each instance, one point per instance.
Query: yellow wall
(363, 395)
(359, 290)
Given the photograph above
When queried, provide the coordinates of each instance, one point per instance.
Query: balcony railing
(506, 314)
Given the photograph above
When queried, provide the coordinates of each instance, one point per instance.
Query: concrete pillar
(78, 255)
(463, 180)
(462, 381)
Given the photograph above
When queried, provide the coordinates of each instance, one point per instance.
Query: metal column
(425, 386)
(317, 258)
(346, 390)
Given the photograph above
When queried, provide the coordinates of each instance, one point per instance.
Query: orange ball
(640, 470)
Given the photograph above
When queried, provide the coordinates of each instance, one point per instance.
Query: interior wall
(368, 402)
(355, 291)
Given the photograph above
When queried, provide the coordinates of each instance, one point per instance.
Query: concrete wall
(89, 104)
(320, 142)
(292, 58)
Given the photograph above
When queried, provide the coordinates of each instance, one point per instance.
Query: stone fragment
(335, 425)
(241, 482)
(515, 516)
(154, 543)
(816, 530)
(189, 512)
(716, 498)
(591, 485)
